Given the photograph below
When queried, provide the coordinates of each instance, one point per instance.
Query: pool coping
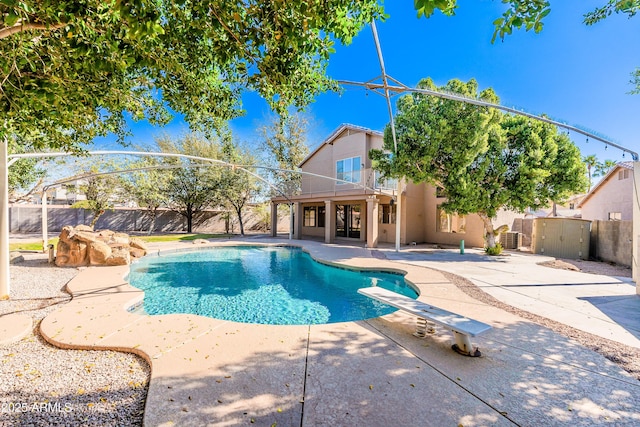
(190, 356)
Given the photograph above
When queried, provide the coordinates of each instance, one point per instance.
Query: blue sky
(573, 73)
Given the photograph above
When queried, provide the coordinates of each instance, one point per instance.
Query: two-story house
(611, 199)
(343, 198)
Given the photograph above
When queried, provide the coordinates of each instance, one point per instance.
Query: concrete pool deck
(375, 372)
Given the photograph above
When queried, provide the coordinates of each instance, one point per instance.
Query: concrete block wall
(28, 219)
(611, 241)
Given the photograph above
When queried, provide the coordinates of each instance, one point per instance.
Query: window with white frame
(349, 169)
(615, 216)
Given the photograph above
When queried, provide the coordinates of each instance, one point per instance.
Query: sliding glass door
(348, 222)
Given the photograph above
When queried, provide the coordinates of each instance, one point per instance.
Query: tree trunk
(189, 219)
(239, 212)
(152, 226)
(95, 219)
(489, 236)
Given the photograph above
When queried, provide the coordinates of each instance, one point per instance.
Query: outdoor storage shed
(561, 237)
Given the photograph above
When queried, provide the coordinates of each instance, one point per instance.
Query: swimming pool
(267, 285)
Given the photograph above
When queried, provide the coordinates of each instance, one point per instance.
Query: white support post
(635, 229)
(45, 222)
(5, 277)
(291, 221)
(398, 214)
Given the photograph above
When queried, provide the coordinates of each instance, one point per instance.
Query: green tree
(101, 191)
(237, 187)
(25, 175)
(74, 70)
(284, 142)
(148, 186)
(603, 168)
(483, 160)
(567, 173)
(528, 14)
(590, 161)
(194, 186)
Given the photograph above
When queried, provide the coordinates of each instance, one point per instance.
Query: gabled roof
(614, 170)
(345, 127)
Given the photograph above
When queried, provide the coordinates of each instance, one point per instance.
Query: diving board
(461, 327)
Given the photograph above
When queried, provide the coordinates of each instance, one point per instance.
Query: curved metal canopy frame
(7, 160)
(205, 162)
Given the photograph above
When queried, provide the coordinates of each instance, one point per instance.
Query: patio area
(374, 372)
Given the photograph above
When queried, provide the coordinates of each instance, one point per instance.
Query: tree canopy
(75, 70)
(237, 187)
(284, 145)
(483, 160)
(193, 186)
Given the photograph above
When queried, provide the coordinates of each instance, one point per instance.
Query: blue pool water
(268, 285)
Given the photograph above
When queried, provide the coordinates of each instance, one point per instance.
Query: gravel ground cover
(42, 385)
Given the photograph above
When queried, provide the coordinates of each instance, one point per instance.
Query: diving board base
(460, 326)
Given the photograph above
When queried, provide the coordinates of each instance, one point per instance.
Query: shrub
(496, 250)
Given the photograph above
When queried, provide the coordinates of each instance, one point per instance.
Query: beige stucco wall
(415, 216)
(419, 204)
(613, 195)
(323, 162)
(473, 237)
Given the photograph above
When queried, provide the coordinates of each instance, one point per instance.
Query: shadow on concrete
(622, 309)
(375, 373)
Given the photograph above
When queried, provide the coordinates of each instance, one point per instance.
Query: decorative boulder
(81, 246)
(137, 243)
(119, 256)
(99, 252)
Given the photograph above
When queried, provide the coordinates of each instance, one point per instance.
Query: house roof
(345, 127)
(614, 170)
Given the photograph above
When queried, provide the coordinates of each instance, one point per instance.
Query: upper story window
(349, 169)
(623, 174)
(385, 183)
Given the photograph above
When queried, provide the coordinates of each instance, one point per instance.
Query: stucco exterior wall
(474, 229)
(323, 162)
(613, 195)
(415, 215)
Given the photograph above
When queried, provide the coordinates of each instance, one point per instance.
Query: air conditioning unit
(510, 240)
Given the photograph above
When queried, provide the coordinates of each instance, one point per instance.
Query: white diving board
(462, 327)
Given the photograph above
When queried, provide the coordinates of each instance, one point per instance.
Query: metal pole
(385, 84)
(457, 97)
(291, 221)
(635, 227)
(45, 222)
(5, 277)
